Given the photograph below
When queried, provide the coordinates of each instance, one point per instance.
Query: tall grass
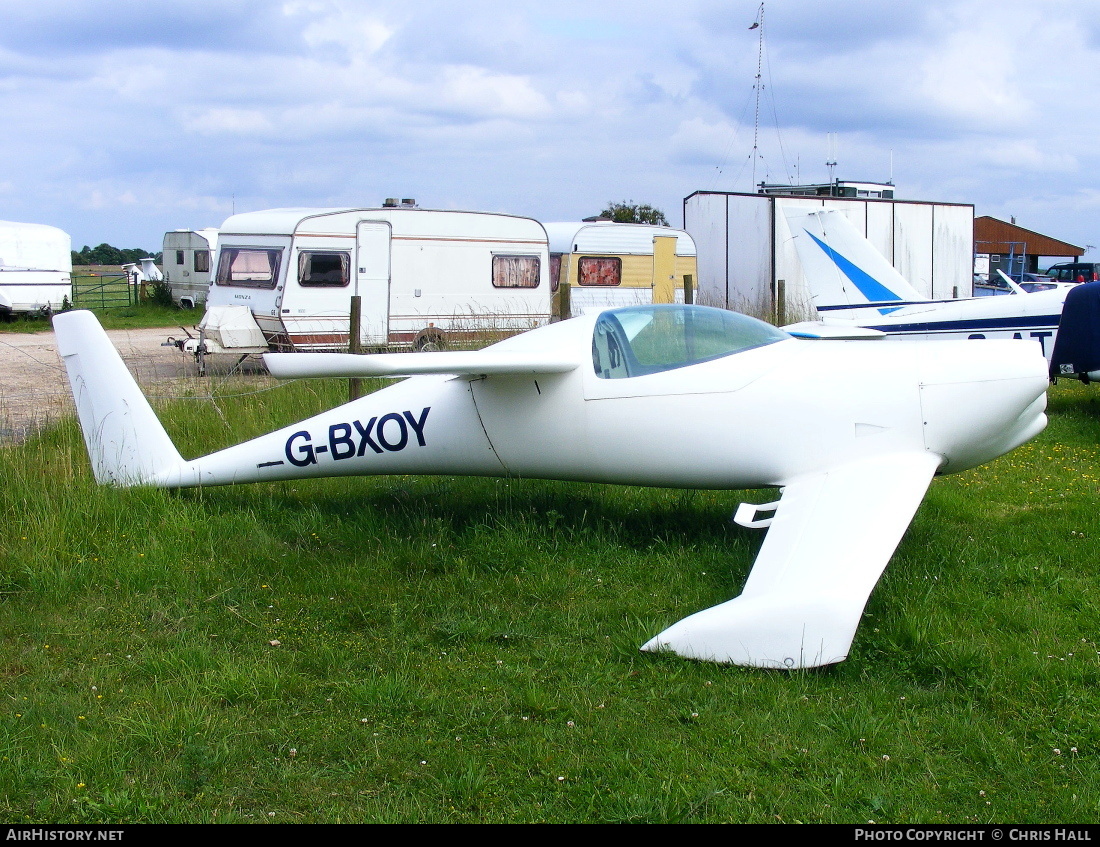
(418, 649)
(763, 305)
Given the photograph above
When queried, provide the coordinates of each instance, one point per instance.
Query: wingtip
(762, 632)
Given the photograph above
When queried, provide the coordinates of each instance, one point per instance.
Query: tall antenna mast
(759, 25)
(831, 164)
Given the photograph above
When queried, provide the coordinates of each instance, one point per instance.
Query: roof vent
(389, 203)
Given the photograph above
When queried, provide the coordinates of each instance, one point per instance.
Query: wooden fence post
(564, 307)
(355, 384)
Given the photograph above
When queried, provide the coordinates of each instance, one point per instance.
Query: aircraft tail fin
(842, 267)
(1013, 286)
(126, 442)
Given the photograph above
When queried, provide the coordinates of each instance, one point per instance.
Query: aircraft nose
(982, 400)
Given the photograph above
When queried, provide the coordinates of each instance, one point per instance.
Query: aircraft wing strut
(828, 542)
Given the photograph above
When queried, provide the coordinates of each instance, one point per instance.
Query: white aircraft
(668, 395)
(853, 285)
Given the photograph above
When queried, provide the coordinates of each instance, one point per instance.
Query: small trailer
(609, 264)
(186, 261)
(36, 266)
(425, 278)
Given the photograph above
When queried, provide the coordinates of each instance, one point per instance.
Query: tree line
(629, 212)
(105, 254)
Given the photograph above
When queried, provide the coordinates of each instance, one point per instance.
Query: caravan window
(202, 261)
(251, 267)
(328, 269)
(600, 270)
(515, 271)
(179, 257)
(555, 271)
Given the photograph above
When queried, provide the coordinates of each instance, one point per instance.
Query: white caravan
(186, 259)
(36, 266)
(426, 278)
(609, 264)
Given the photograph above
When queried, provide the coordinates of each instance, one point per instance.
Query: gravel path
(35, 391)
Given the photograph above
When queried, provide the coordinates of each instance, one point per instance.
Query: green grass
(454, 650)
(25, 323)
(115, 317)
(146, 315)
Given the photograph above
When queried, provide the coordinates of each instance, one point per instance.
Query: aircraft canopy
(649, 339)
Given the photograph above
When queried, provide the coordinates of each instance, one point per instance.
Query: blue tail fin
(843, 268)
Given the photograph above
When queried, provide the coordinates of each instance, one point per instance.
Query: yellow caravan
(608, 264)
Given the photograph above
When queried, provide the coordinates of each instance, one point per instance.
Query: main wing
(461, 363)
(828, 542)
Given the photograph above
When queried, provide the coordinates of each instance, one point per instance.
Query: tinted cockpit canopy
(649, 339)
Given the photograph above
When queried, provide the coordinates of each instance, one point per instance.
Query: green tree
(105, 254)
(629, 212)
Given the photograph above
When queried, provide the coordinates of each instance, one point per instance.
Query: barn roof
(995, 236)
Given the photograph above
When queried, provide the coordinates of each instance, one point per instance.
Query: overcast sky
(127, 118)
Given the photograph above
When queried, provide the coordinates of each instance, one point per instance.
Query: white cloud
(974, 86)
(1027, 155)
(356, 33)
(139, 80)
(696, 139)
(478, 92)
(245, 122)
(546, 111)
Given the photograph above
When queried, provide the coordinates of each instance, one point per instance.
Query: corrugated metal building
(745, 246)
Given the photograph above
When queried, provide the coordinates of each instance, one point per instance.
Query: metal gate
(103, 291)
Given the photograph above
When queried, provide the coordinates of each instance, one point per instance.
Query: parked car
(1074, 272)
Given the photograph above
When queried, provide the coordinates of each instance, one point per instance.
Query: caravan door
(372, 280)
(664, 270)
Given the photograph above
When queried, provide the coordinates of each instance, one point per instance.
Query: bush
(159, 293)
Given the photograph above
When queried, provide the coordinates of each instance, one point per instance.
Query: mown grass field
(113, 317)
(450, 650)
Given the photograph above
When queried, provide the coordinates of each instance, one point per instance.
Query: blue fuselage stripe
(1000, 324)
(892, 304)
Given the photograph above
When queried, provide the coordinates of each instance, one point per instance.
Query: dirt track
(35, 391)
